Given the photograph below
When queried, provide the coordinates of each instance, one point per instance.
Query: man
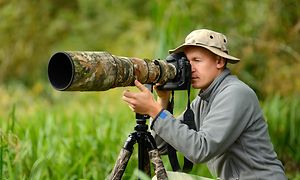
(231, 133)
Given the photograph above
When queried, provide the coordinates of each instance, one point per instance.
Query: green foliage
(27, 29)
(73, 135)
(63, 137)
(284, 121)
(264, 34)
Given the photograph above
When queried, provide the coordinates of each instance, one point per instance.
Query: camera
(101, 71)
(182, 79)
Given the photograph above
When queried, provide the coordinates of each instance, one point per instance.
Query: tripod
(146, 150)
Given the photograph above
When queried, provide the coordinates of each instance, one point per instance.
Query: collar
(206, 94)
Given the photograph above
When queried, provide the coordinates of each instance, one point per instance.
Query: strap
(173, 158)
(171, 150)
(170, 107)
(188, 116)
(189, 120)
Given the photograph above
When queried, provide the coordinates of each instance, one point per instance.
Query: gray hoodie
(231, 136)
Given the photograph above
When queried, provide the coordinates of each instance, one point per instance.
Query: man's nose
(192, 67)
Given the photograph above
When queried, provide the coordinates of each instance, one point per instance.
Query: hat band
(213, 47)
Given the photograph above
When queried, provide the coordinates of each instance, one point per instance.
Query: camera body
(182, 79)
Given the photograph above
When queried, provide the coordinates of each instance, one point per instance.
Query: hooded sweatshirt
(231, 133)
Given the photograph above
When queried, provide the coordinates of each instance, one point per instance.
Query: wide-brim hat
(211, 40)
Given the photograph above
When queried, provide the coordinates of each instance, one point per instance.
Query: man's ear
(220, 62)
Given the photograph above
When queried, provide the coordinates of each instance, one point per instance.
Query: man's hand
(142, 102)
(163, 97)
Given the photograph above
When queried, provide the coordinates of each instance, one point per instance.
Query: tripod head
(141, 122)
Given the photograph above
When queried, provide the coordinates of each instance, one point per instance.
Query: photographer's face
(206, 66)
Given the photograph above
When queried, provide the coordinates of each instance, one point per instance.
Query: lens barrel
(101, 71)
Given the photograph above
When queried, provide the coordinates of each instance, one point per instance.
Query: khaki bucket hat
(211, 40)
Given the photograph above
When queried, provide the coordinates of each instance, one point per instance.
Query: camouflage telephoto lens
(100, 71)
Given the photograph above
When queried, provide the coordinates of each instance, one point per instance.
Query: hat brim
(231, 59)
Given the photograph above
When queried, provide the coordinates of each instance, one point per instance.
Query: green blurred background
(47, 134)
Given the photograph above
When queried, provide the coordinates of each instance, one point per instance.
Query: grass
(47, 134)
(284, 121)
(63, 135)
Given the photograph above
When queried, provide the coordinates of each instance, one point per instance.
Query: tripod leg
(123, 158)
(143, 156)
(158, 165)
(120, 165)
(154, 156)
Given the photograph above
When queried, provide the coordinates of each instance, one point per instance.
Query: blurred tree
(27, 30)
(264, 34)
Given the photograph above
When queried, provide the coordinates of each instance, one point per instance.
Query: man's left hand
(142, 102)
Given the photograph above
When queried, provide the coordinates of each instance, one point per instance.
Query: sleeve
(161, 144)
(229, 114)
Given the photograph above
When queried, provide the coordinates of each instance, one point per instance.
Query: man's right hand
(163, 97)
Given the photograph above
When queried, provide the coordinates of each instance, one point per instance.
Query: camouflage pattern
(159, 168)
(100, 71)
(120, 165)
